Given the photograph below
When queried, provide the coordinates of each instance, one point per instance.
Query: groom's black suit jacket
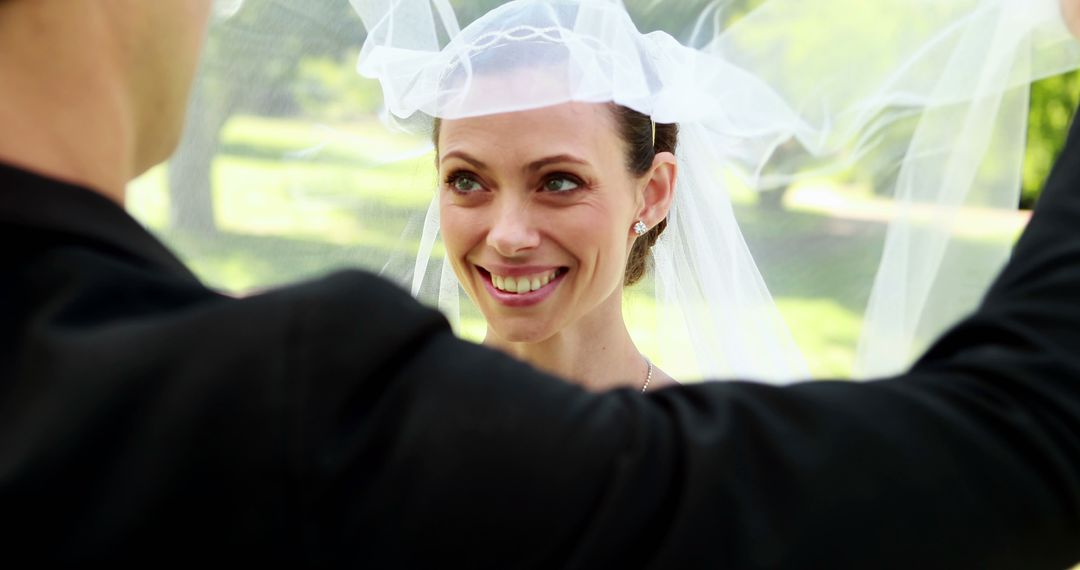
(339, 423)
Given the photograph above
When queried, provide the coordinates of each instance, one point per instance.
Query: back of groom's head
(95, 91)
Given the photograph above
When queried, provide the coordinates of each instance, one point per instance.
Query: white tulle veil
(845, 154)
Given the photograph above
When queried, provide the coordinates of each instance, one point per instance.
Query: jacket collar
(37, 202)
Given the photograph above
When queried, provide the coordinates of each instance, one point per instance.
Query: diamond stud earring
(640, 228)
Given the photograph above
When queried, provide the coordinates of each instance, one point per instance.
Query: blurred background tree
(263, 37)
(261, 194)
(1053, 103)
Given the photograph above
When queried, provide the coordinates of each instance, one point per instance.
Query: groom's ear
(659, 189)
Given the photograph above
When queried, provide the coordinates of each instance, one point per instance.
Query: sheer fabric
(848, 170)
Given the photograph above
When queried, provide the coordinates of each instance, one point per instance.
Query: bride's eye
(558, 184)
(463, 183)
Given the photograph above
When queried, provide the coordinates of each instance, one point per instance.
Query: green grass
(282, 219)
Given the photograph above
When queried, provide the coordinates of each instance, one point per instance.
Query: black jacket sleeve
(446, 453)
(144, 418)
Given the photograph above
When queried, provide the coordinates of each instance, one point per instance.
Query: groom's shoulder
(326, 324)
(83, 302)
(353, 304)
(352, 328)
(107, 346)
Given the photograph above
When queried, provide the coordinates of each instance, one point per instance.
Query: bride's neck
(596, 351)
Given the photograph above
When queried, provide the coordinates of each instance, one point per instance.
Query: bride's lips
(529, 299)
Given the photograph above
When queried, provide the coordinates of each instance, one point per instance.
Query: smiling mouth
(522, 284)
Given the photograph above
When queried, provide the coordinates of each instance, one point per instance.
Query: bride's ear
(659, 189)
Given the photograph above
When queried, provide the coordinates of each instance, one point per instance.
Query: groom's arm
(454, 453)
(457, 455)
(970, 460)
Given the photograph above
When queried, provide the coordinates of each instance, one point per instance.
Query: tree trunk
(772, 199)
(191, 196)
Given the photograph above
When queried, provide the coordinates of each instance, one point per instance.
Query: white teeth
(523, 284)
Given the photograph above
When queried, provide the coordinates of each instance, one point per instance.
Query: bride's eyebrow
(559, 158)
(465, 157)
(531, 167)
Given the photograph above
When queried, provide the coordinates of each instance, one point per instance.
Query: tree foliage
(280, 57)
(1053, 104)
(252, 61)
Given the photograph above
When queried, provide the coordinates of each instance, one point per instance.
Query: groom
(146, 419)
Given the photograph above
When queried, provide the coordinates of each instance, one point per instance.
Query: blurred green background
(228, 201)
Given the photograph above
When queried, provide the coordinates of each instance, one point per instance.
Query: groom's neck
(66, 113)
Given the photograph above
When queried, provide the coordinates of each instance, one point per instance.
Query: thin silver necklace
(648, 376)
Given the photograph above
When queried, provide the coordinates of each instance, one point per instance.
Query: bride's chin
(518, 334)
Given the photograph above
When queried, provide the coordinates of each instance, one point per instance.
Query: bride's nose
(512, 229)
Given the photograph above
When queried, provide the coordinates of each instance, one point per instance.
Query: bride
(555, 128)
(546, 215)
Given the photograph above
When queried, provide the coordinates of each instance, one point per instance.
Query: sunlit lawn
(293, 202)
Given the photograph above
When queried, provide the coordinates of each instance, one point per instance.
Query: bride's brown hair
(636, 130)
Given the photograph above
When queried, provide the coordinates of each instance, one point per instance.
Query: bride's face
(536, 212)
